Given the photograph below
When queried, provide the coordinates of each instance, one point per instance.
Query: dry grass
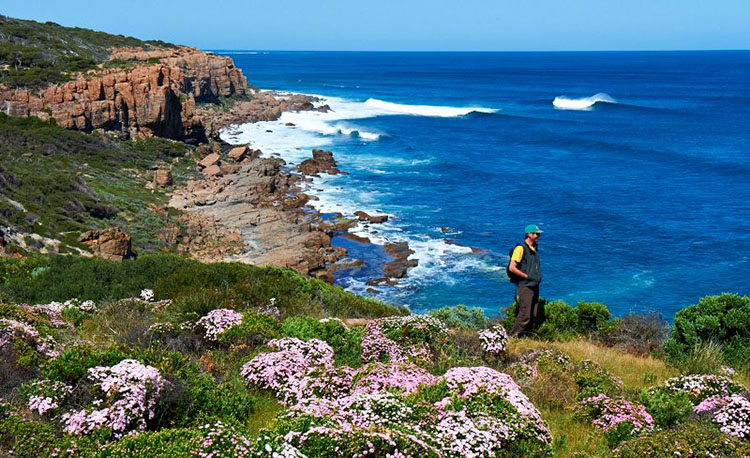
(636, 372)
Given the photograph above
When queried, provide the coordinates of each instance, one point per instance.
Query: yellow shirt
(518, 253)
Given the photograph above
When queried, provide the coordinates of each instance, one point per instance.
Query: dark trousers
(528, 309)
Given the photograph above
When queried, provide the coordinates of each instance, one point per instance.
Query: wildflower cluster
(379, 409)
(731, 413)
(703, 386)
(10, 329)
(617, 416)
(218, 321)
(285, 371)
(469, 381)
(47, 395)
(401, 339)
(222, 440)
(494, 340)
(404, 377)
(376, 346)
(129, 392)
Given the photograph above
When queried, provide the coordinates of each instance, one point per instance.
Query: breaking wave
(585, 103)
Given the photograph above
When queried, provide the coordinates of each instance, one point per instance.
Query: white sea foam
(585, 103)
(424, 110)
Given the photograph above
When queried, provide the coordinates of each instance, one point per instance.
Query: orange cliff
(156, 96)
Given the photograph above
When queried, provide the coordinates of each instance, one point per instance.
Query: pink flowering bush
(731, 413)
(402, 339)
(470, 381)
(127, 394)
(392, 409)
(376, 346)
(46, 395)
(402, 377)
(10, 329)
(494, 341)
(617, 418)
(218, 321)
(702, 386)
(285, 371)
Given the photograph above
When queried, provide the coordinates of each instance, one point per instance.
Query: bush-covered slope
(192, 285)
(35, 54)
(59, 183)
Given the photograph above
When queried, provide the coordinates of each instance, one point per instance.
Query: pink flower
(218, 321)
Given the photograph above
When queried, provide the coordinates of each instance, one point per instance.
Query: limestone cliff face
(155, 95)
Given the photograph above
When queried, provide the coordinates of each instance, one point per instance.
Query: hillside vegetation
(34, 54)
(163, 356)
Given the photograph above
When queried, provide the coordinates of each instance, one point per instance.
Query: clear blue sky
(481, 25)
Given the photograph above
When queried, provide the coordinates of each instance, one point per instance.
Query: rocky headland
(180, 93)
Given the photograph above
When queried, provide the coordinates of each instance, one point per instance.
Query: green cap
(532, 228)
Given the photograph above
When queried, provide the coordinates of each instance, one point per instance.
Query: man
(524, 265)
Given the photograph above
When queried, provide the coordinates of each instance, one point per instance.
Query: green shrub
(256, 329)
(73, 364)
(724, 319)
(591, 316)
(23, 438)
(26, 439)
(688, 440)
(666, 407)
(560, 322)
(168, 443)
(461, 317)
(592, 380)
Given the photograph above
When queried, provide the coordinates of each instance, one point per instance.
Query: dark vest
(530, 266)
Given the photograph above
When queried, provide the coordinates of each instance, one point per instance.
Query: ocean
(635, 164)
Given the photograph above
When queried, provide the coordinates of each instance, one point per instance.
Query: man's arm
(513, 268)
(515, 262)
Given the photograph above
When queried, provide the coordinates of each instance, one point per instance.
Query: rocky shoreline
(253, 209)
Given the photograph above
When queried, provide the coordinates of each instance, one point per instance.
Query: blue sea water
(643, 190)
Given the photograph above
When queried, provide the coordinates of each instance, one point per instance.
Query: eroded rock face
(110, 243)
(147, 99)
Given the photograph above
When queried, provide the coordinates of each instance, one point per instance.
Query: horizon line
(478, 51)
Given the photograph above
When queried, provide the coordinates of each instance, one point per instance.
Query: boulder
(373, 219)
(322, 161)
(401, 262)
(163, 178)
(208, 161)
(238, 153)
(110, 243)
(212, 171)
